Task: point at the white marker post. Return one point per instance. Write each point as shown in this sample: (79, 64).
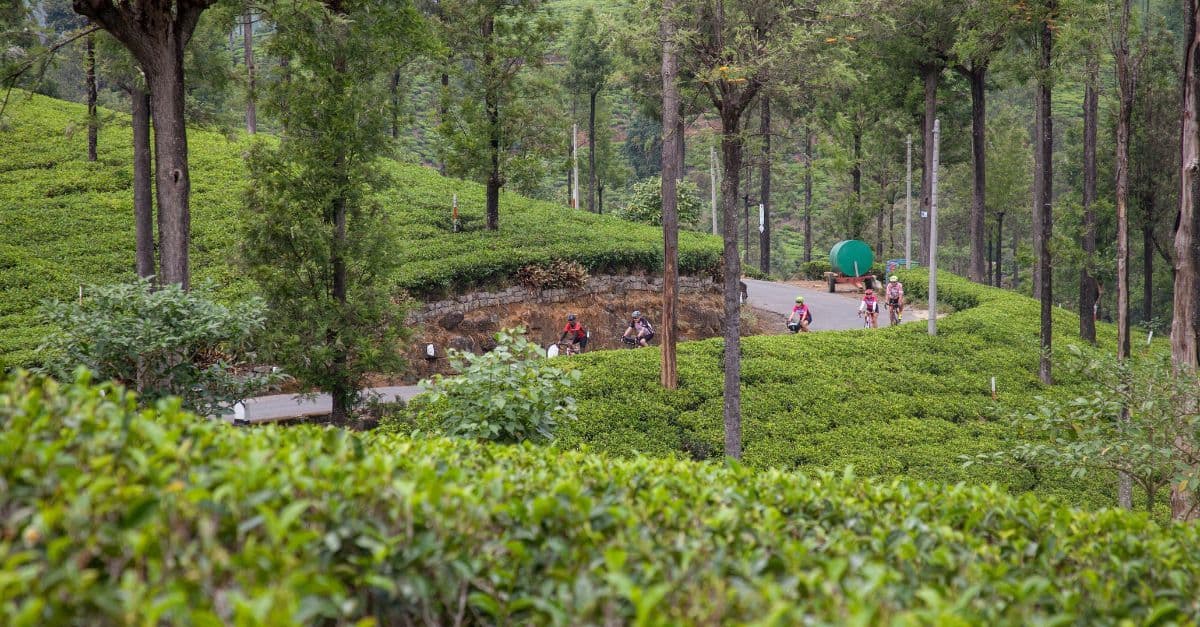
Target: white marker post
(933, 194)
(762, 217)
(908, 205)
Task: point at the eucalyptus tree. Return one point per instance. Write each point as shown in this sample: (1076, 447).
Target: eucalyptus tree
(497, 115)
(316, 238)
(590, 65)
(156, 34)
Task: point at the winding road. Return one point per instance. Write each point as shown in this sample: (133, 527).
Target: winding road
(831, 312)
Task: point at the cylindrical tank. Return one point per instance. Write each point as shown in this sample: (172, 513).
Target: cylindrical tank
(851, 257)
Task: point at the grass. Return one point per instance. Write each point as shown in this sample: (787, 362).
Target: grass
(68, 222)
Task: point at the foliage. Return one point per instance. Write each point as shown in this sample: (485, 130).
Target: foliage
(509, 394)
(558, 274)
(589, 59)
(197, 522)
(891, 402)
(814, 270)
(645, 203)
(317, 238)
(161, 342)
(68, 222)
(1155, 445)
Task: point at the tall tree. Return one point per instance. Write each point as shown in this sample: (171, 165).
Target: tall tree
(1088, 286)
(317, 239)
(156, 33)
(248, 55)
(93, 120)
(589, 66)
(1045, 225)
(764, 176)
(494, 43)
(983, 31)
(670, 213)
(1185, 321)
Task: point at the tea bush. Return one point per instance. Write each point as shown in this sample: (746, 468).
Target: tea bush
(68, 222)
(115, 516)
(892, 401)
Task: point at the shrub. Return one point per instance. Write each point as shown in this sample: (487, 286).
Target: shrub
(161, 342)
(645, 203)
(114, 516)
(815, 270)
(509, 394)
(558, 274)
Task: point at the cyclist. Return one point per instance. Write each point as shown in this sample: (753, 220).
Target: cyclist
(870, 308)
(800, 318)
(640, 329)
(895, 297)
(578, 334)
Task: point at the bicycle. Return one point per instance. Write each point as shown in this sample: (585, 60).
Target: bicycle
(894, 314)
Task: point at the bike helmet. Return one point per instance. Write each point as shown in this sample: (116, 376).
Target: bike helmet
(636, 314)
(799, 299)
(570, 317)
(893, 278)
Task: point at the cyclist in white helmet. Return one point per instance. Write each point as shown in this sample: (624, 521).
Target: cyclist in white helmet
(640, 329)
(895, 296)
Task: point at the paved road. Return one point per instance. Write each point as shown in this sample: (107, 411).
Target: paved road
(287, 406)
(830, 312)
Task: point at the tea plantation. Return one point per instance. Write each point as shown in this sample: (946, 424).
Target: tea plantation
(68, 222)
(115, 516)
(891, 402)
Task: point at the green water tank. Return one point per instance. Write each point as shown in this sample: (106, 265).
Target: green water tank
(846, 253)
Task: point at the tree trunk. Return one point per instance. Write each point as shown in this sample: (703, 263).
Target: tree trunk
(746, 215)
(172, 182)
(394, 92)
(1045, 287)
(931, 75)
(977, 75)
(681, 152)
(879, 233)
(1035, 271)
(443, 113)
(342, 393)
(1184, 331)
(999, 268)
(1148, 271)
(248, 53)
(1125, 86)
(808, 194)
(731, 162)
(143, 205)
(492, 106)
(856, 185)
(91, 96)
(1087, 283)
(592, 151)
(764, 237)
(670, 213)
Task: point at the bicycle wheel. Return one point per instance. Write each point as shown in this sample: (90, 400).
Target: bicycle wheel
(892, 314)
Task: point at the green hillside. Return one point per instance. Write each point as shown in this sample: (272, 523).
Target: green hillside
(892, 402)
(68, 222)
(115, 516)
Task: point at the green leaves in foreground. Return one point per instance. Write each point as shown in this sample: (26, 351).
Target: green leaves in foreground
(114, 516)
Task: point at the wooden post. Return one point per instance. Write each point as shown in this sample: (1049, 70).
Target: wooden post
(933, 234)
(670, 216)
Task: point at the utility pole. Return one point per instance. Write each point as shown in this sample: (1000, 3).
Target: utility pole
(908, 204)
(937, 131)
(575, 165)
(712, 169)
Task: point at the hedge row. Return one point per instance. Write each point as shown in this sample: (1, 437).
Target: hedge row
(891, 402)
(69, 222)
(112, 516)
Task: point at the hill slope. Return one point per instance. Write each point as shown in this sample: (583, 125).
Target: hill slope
(68, 222)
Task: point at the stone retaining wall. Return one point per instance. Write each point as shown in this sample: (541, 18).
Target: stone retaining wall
(601, 284)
